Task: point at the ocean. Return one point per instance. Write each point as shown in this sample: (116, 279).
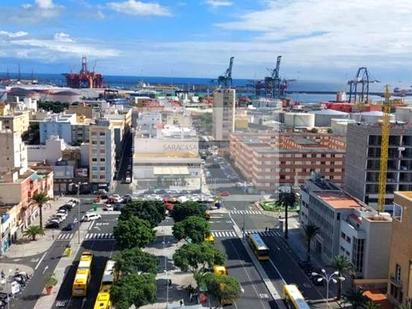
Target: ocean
(185, 82)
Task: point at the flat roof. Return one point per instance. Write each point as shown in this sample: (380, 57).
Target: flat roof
(338, 200)
(405, 194)
(171, 170)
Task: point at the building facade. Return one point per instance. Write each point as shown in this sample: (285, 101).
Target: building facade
(362, 170)
(269, 160)
(102, 159)
(57, 125)
(13, 152)
(224, 107)
(400, 265)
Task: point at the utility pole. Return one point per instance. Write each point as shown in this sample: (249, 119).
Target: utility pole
(78, 212)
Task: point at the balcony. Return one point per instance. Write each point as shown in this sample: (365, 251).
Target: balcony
(395, 281)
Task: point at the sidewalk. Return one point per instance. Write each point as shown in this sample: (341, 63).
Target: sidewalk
(25, 248)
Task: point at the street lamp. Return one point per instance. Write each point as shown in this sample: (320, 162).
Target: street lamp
(334, 277)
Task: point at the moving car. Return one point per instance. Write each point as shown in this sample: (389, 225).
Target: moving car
(91, 217)
(69, 227)
(52, 224)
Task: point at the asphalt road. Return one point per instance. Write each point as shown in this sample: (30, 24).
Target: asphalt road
(103, 249)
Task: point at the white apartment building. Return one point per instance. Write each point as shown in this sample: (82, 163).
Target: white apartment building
(57, 125)
(224, 106)
(101, 153)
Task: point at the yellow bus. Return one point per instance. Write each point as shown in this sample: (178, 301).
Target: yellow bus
(83, 274)
(294, 298)
(259, 247)
(103, 300)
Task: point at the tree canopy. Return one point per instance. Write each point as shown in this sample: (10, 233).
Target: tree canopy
(135, 260)
(152, 211)
(133, 232)
(40, 199)
(187, 209)
(192, 227)
(196, 257)
(225, 288)
(33, 231)
(134, 289)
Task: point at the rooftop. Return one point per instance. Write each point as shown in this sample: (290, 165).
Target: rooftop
(405, 194)
(339, 200)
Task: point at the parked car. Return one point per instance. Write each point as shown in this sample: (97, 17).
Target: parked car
(69, 227)
(66, 207)
(91, 217)
(63, 216)
(56, 218)
(108, 207)
(52, 224)
(225, 193)
(127, 198)
(63, 211)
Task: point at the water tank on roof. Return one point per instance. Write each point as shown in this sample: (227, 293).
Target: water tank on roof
(323, 118)
(299, 120)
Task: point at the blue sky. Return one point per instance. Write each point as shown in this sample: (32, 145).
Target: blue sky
(318, 39)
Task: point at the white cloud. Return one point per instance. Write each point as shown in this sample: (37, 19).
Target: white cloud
(218, 3)
(13, 35)
(139, 8)
(60, 46)
(45, 4)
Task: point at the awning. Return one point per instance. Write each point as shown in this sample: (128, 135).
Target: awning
(171, 170)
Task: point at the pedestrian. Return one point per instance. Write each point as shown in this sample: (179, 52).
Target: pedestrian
(181, 303)
(3, 275)
(266, 229)
(170, 282)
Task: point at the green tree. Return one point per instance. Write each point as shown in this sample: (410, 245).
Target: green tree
(133, 232)
(193, 227)
(135, 260)
(187, 209)
(33, 231)
(134, 289)
(197, 257)
(225, 288)
(344, 268)
(287, 199)
(152, 211)
(355, 298)
(40, 199)
(310, 232)
(403, 306)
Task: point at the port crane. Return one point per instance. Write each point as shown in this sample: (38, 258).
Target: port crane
(225, 80)
(383, 168)
(361, 80)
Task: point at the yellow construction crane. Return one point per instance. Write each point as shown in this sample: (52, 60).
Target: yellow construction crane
(386, 127)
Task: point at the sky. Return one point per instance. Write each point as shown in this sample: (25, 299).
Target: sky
(318, 39)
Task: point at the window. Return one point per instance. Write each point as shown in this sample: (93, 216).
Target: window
(102, 159)
(102, 168)
(94, 168)
(342, 234)
(102, 177)
(102, 142)
(94, 159)
(102, 134)
(398, 272)
(94, 142)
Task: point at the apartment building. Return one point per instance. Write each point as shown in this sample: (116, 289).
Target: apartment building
(13, 152)
(224, 106)
(350, 228)
(400, 265)
(15, 121)
(272, 159)
(101, 153)
(57, 125)
(362, 167)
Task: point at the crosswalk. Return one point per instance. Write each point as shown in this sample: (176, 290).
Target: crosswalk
(99, 236)
(246, 212)
(65, 236)
(232, 234)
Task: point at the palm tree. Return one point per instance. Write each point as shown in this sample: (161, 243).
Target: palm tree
(41, 199)
(310, 232)
(371, 305)
(33, 231)
(403, 306)
(287, 199)
(344, 268)
(355, 298)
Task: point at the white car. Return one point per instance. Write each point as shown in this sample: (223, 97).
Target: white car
(108, 207)
(91, 217)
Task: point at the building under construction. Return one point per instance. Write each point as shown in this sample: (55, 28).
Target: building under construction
(85, 78)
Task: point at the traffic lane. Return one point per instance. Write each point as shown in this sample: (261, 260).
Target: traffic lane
(220, 222)
(289, 268)
(45, 268)
(255, 222)
(240, 266)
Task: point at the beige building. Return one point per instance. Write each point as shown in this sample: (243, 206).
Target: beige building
(272, 159)
(400, 264)
(101, 153)
(13, 152)
(224, 107)
(17, 122)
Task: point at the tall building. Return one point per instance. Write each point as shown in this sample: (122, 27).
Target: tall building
(13, 152)
(363, 161)
(348, 227)
(224, 105)
(57, 125)
(101, 153)
(400, 265)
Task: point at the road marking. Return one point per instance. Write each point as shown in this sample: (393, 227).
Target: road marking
(99, 236)
(41, 259)
(65, 236)
(96, 227)
(91, 224)
(45, 268)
